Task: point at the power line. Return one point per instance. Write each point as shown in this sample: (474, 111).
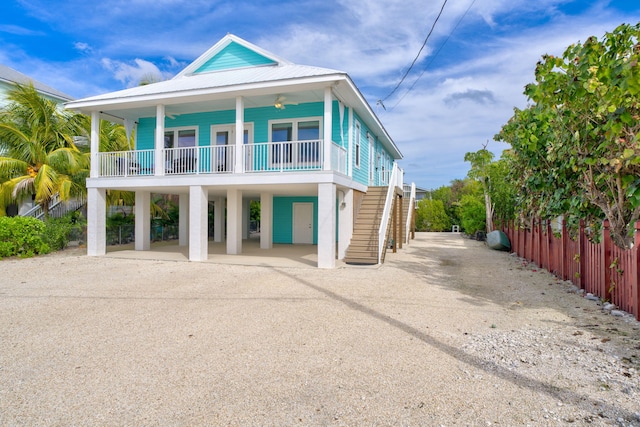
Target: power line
(380, 101)
(434, 56)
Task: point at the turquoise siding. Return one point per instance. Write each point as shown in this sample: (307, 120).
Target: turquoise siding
(234, 56)
(260, 118)
(283, 218)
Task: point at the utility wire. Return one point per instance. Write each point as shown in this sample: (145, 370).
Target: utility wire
(380, 101)
(434, 56)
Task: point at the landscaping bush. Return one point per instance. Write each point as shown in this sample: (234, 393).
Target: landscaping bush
(58, 231)
(22, 236)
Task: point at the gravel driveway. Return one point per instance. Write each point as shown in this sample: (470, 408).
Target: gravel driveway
(446, 332)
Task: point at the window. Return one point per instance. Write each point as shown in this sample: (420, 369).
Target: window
(295, 143)
(180, 155)
(357, 144)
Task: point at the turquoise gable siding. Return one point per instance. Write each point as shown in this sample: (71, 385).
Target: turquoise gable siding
(283, 218)
(233, 56)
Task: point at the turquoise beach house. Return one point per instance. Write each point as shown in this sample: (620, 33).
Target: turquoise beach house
(241, 124)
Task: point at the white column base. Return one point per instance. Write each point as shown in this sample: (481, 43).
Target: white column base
(96, 221)
(266, 221)
(198, 241)
(234, 222)
(326, 225)
(143, 221)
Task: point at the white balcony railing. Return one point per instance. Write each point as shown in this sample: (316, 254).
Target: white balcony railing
(283, 156)
(260, 157)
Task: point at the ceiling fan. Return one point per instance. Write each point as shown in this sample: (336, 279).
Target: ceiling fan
(280, 103)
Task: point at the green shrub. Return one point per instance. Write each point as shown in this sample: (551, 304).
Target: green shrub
(58, 231)
(22, 236)
(472, 214)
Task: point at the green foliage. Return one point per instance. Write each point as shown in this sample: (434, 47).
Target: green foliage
(431, 216)
(575, 149)
(472, 214)
(59, 231)
(22, 236)
(39, 156)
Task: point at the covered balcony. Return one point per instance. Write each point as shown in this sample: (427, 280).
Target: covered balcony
(289, 156)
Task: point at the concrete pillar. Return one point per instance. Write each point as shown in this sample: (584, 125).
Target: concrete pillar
(143, 221)
(345, 220)
(326, 225)
(183, 220)
(198, 241)
(266, 220)
(96, 221)
(246, 214)
(218, 219)
(234, 222)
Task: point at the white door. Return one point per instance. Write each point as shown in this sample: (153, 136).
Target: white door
(221, 138)
(303, 223)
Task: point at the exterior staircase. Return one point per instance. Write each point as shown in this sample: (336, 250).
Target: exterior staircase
(57, 208)
(363, 248)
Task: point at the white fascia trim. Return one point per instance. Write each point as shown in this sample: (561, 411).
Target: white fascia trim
(189, 95)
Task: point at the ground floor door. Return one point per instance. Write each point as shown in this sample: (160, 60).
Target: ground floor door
(303, 223)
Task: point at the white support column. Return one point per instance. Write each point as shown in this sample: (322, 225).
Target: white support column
(218, 219)
(327, 128)
(183, 220)
(159, 141)
(94, 172)
(234, 222)
(350, 150)
(238, 167)
(96, 221)
(198, 241)
(143, 221)
(246, 217)
(266, 220)
(345, 220)
(326, 225)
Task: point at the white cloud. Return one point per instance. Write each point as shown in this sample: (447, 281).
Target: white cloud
(131, 74)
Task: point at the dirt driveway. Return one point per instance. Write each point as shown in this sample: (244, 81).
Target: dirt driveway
(446, 332)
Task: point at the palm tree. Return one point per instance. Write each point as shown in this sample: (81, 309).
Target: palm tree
(37, 153)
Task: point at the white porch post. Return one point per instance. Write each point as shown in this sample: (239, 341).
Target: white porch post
(239, 135)
(96, 221)
(95, 144)
(159, 141)
(326, 225)
(143, 221)
(345, 221)
(245, 218)
(198, 244)
(234, 222)
(328, 126)
(350, 150)
(183, 220)
(266, 220)
(218, 219)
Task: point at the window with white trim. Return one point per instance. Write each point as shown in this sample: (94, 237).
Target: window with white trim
(295, 142)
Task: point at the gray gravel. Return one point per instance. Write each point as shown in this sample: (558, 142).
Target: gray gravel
(446, 332)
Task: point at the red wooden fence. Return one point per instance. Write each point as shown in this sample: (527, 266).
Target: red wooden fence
(602, 269)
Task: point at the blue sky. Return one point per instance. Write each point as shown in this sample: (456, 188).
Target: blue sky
(462, 89)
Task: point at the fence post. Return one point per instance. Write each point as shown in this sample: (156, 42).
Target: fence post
(563, 249)
(582, 268)
(606, 260)
(635, 282)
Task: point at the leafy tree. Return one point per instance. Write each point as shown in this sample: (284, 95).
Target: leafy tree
(472, 214)
(431, 216)
(39, 156)
(480, 163)
(576, 150)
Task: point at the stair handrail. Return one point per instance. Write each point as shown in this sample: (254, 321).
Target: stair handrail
(384, 221)
(410, 212)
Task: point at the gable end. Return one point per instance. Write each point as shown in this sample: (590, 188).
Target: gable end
(233, 56)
